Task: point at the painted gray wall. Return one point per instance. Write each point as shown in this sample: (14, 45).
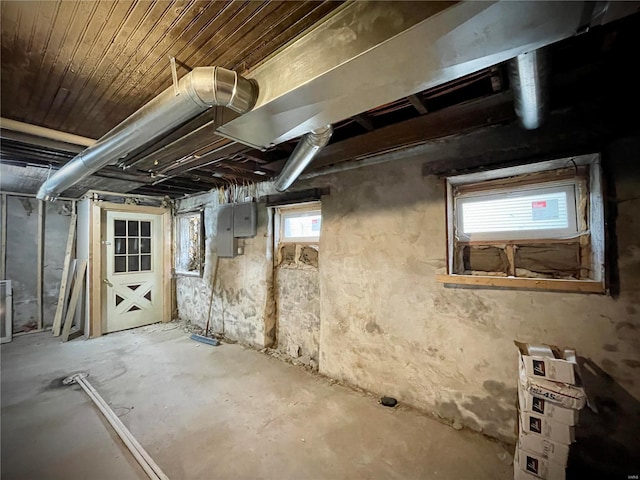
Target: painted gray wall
(22, 245)
(58, 218)
(22, 255)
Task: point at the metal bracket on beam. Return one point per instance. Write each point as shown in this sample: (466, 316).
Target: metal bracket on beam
(418, 104)
(174, 75)
(365, 120)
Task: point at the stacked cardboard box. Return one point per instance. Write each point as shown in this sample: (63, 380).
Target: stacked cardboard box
(549, 400)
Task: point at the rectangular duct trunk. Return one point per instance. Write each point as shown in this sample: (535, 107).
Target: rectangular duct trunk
(368, 54)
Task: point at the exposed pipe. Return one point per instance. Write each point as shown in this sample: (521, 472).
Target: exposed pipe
(529, 76)
(307, 148)
(200, 89)
(44, 132)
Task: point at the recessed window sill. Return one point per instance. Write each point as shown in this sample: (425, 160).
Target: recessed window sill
(299, 242)
(187, 274)
(581, 286)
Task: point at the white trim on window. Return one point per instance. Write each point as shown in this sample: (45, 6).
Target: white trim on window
(299, 223)
(593, 229)
(186, 250)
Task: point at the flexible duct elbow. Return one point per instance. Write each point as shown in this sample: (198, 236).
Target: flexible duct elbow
(200, 89)
(306, 150)
(216, 86)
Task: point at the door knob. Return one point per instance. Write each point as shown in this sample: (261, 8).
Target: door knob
(106, 280)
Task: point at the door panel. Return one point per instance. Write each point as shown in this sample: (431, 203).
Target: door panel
(132, 290)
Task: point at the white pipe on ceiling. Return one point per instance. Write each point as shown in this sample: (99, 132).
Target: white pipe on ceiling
(44, 132)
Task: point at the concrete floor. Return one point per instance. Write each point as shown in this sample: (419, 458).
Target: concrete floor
(207, 412)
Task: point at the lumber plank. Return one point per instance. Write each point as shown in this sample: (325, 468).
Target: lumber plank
(510, 251)
(167, 278)
(94, 322)
(75, 296)
(62, 296)
(42, 213)
(3, 241)
(72, 268)
(583, 286)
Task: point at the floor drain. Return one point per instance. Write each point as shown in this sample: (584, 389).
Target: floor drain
(388, 401)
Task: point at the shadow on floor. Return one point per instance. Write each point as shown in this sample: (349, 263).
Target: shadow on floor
(607, 445)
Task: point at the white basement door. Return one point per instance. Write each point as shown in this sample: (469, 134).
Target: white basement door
(132, 289)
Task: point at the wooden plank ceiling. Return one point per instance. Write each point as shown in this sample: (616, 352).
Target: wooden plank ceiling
(83, 67)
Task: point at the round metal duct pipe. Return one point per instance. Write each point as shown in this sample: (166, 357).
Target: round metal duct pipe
(200, 89)
(306, 149)
(529, 76)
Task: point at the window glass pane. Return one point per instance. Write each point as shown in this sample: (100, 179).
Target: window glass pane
(145, 263)
(133, 245)
(133, 263)
(120, 228)
(120, 245)
(145, 229)
(133, 228)
(302, 225)
(145, 245)
(120, 264)
(189, 237)
(501, 213)
(525, 213)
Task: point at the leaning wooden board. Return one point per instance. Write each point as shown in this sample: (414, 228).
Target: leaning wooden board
(62, 297)
(75, 296)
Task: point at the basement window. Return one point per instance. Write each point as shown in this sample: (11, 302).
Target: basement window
(534, 211)
(300, 224)
(298, 235)
(538, 226)
(189, 228)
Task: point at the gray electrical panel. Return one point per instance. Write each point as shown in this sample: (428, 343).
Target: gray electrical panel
(226, 243)
(245, 222)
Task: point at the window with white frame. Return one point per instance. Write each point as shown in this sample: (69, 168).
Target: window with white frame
(189, 234)
(540, 210)
(298, 235)
(537, 226)
(300, 224)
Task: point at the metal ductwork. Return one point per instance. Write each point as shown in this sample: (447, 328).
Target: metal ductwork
(306, 149)
(200, 89)
(529, 76)
(369, 54)
(364, 55)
